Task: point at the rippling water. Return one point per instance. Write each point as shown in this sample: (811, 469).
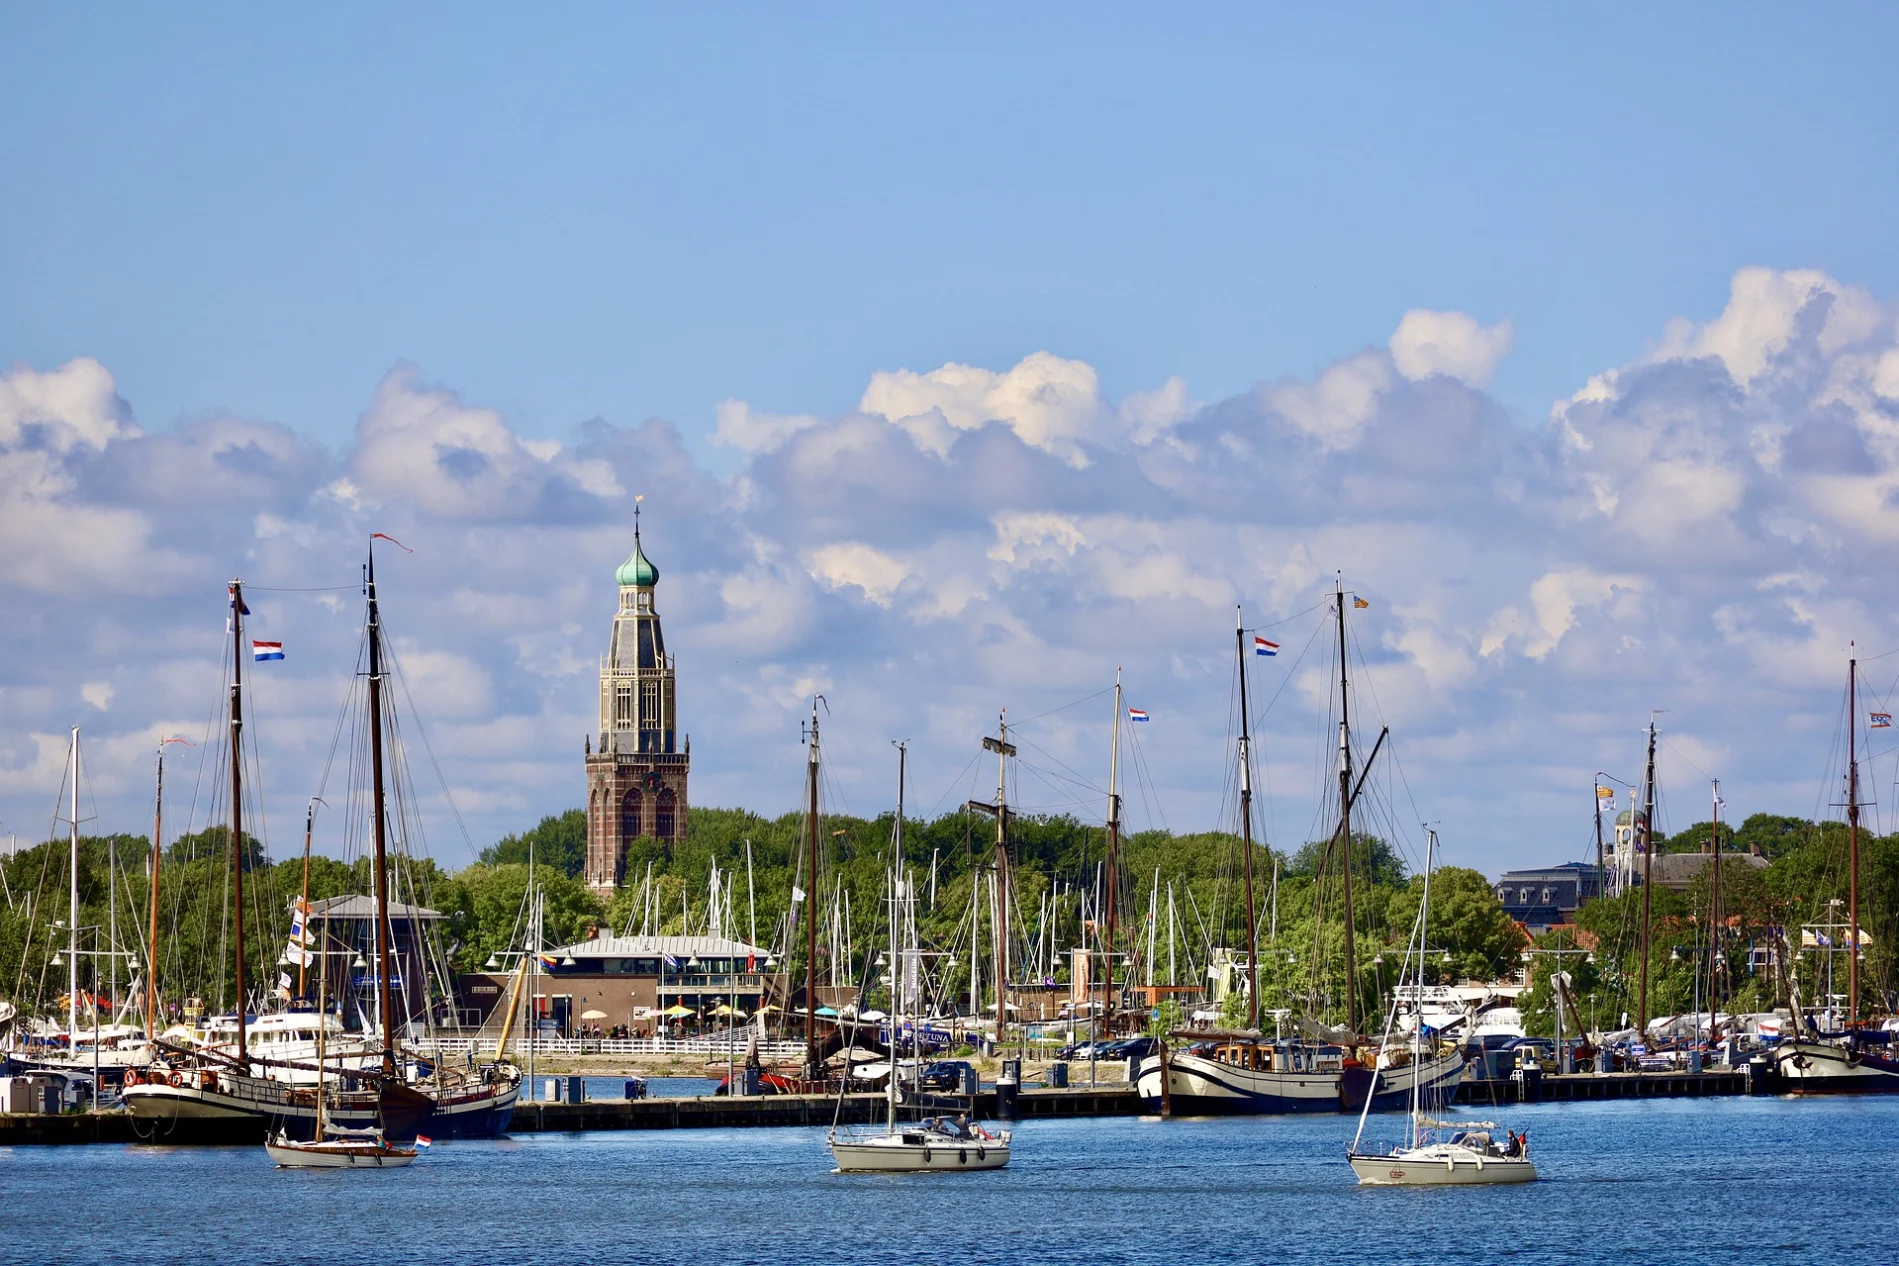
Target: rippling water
(1731, 1181)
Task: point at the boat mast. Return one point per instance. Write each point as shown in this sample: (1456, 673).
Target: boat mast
(897, 893)
(1345, 819)
(1114, 850)
(810, 911)
(1424, 942)
(303, 907)
(1647, 828)
(1714, 907)
(1246, 826)
(379, 818)
(1596, 809)
(237, 809)
(151, 946)
(72, 918)
(323, 1004)
(1852, 842)
(1003, 750)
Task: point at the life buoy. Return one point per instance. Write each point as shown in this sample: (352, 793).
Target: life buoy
(962, 1156)
(176, 1079)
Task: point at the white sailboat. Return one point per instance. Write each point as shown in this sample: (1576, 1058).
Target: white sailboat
(934, 1143)
(1435, 1153)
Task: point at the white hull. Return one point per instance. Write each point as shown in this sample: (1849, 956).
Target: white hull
(337, 1156)
(1810, 1068)
(1200, 1086)
(1441, 1166)
(894, 1154)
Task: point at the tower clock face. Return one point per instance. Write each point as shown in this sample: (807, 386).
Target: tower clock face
(652, 780)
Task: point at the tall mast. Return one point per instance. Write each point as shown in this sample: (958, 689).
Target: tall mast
(151, 944)
(237, 809)
(1596, 808)
(1852, 841)
(1003, 750)
(1246, 826)
(896, 961)
(379, 817)
(303, 907)
(810, 901)
(1714, 907)
(1345, 820)
(1114, 847)
(72, 918)
(1647, 829)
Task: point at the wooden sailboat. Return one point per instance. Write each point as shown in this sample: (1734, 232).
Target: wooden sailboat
(331, 1148)
(1244, 1073)
(1842, 1062)
(1435, 1153)
(933, 1143)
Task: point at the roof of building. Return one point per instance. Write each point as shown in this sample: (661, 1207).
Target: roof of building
(1566, 870)
(1680, 868)
(359, 907)
(654, 946)
(637, 571)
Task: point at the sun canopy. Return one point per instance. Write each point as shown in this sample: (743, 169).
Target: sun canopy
(677, 1012)
(593, 1015)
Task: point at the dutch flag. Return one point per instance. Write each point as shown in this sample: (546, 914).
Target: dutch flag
(267, 650)
(1263, 647)
(1137, 714)
(423, 1140)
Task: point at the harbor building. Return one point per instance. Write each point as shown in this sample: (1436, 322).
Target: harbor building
(634, 984)
(1545, 897)
(636, 774)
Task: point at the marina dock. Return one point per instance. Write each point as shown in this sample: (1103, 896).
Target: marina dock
(721, 1112)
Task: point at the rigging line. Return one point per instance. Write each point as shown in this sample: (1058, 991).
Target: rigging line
(250, 588)
(954, 783)
(1065, 707)
(1291, 672)
(1677, 751)
(1080, 778)
(1289, 619)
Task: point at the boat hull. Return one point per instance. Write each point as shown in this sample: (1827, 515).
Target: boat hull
(1434, 1079)
(1441, 1167)
(238, 1109)
(1198, 1086)
(305, 1156)
(874, 1156)
(1822, 1068)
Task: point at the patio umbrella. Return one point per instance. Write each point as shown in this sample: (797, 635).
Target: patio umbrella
(726, 1008)
(678, 1012)
(825, 1011)
(593, 1015)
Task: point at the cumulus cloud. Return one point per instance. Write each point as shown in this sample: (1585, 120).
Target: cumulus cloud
(1448, 343)
(1704, 529)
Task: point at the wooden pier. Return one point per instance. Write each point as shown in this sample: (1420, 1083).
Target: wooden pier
(720, 1112)
(1588, 1087)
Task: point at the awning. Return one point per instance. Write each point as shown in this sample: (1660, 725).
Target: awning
(678, 1012)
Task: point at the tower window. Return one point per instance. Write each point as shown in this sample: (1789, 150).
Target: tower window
(630, 815)
(623, 706)
(663, 815)
(649, 705)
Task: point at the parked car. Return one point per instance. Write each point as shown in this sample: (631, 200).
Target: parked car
(945, 1074)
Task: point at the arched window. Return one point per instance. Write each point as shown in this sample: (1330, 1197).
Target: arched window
(631, 817)
(663, 816)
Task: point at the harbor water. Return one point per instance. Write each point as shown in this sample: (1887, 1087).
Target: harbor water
(1652, 1181)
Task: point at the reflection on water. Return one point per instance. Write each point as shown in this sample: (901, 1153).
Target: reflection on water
(1712, 1181)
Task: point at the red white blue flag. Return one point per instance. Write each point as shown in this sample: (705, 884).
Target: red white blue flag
(1263, 647)
(267, 650)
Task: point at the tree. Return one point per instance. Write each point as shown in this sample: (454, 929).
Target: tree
(1466, 921)
(558, 840)
(1374, 860)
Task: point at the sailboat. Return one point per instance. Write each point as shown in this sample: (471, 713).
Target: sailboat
(1241, 1072)
(1435, 1153)
(1840, 1063)
(332, 1148)
(933, 1143)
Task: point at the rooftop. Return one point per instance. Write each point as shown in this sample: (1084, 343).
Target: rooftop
(359, 907)
(681, 947)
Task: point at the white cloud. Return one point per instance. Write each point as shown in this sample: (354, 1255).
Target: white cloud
(1705, 530)
(1449, 343)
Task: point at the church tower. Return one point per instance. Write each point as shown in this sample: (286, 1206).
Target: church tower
(636, 777)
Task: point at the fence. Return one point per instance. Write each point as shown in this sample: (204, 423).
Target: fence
(545, 1044)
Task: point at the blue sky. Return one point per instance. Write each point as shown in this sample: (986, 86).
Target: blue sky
(619, 212)
(962, 359)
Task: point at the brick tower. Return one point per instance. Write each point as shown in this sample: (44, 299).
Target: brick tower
(636, 776)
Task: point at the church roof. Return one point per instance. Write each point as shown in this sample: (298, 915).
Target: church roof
(637, 571)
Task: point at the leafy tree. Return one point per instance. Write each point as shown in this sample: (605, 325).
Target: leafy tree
(558, 841)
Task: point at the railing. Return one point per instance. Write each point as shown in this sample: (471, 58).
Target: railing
(721, 1045)
(716, 983)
